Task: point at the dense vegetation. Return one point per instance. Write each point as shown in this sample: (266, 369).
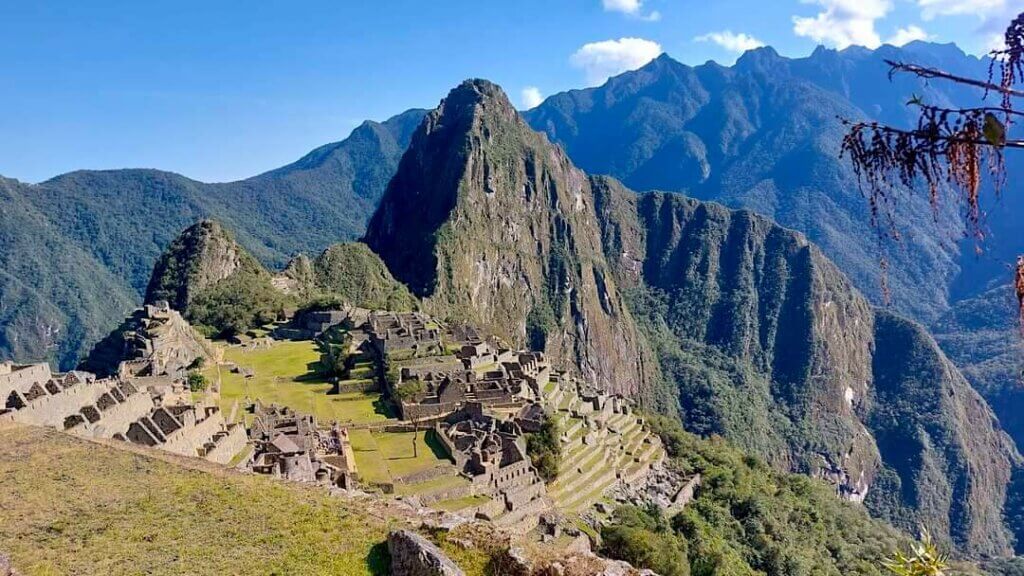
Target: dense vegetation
(76, 251)
(352, 273)
(748, 519)
(236, 304)
(545, 449)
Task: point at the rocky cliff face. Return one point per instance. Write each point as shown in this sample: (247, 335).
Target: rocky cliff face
(486, 220)
(771, 346)
(946, 461)
(759, 335)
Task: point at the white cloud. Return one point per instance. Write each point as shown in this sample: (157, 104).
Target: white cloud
(632, 8)
(732, 42)
(842, 23)
(981, 8)
(530, 97)
(907, 35)
(600, 60)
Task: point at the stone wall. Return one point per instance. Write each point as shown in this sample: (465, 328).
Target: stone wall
(15, 377)
(368, 385)
(117, 418)
(189, 439)
(414, 555)
(228, 445)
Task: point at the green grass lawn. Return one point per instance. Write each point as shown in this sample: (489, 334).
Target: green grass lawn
(432, 485)
(69, 506)
(288, 373)
(369, 462)
(402, 459)
(383, 456)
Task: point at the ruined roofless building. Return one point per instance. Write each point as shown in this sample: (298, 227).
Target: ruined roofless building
(289, 445)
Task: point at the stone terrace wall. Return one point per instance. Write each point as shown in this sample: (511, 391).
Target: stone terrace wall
(227, 446)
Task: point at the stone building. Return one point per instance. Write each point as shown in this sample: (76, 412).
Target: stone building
(492, 454)
(290, 445)
(395, 332)
(120, 407)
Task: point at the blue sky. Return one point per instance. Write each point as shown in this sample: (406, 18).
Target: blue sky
(225, 90)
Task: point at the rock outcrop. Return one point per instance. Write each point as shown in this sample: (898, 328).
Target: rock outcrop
(203, 255)
(158, 338)
(414, 555)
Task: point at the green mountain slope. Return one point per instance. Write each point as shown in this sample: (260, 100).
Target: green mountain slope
(55, 297)
(119, 221)
(743, 326)
(486, 220)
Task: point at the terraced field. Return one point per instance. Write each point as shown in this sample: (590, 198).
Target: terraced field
(593, 460)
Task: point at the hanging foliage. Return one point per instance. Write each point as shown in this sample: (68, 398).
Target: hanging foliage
(951, 150)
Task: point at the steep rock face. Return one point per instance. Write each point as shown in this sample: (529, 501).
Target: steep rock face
(771, 346)
(203, 255)
(947, 463)
(485, 219)
(767, 341)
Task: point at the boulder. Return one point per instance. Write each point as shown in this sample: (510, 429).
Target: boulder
(6, 568)
(414, 555)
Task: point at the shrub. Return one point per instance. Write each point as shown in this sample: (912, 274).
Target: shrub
(545, 449)
(197, 382)
(643, 538)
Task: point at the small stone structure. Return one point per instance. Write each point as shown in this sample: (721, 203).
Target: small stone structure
(289, 445)
(492, 454)
(477, 373)
(414, 555)
(396, 332)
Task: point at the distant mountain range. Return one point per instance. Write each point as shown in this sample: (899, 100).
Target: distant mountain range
(76, 252)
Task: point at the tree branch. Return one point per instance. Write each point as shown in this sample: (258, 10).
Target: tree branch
(932, 136)
(924, 72)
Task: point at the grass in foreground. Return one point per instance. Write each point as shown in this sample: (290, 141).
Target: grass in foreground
(74, 507)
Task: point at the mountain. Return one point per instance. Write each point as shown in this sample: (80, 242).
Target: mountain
(746, 328)
(486, 221)
(764, 135)
(215, 283)
(349, 271)
(86, 241)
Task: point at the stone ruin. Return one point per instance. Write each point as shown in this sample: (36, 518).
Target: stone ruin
(154, 341)
(290, 445)
(398, 332)
(492, 454)
(311, 324)
(152, 410)
(476, 373)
